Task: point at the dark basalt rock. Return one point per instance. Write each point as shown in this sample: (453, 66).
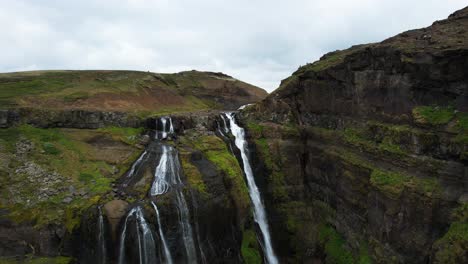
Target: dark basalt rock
(323, 175)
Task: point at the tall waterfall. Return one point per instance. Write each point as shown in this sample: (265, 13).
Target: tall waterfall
(259, 210)
(102, 250)
(167, 253)
(146, 245)
(167, 177)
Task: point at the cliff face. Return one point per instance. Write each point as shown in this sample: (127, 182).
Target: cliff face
(365, 151)
(54, 180)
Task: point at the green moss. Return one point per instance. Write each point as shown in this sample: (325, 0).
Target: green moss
(63, 151)
(388, 181)
(334, 246)
(215, 150)
(329, 60)
(255, 128)
(452, 246)
(49, 148)
(38, 260)
(462, 120)
(393, 183)
(193, 175)
(125, 134)
(272, 160)
(250, 250)
(388, 146)
(364, 257)
(434, 115)
(355, 136)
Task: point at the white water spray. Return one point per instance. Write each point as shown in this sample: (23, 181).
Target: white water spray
(167, 253)
(102, 252)
(259, 210)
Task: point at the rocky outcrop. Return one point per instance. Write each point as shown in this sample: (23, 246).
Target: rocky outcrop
(67, 118)
(365, 151)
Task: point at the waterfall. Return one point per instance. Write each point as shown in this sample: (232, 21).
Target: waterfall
(146, 245)
(102, 252)
(259, 210)
(167, 172)
(187, 232)
(167, 253)
(136, 164)
(167, 128)
(168, 176)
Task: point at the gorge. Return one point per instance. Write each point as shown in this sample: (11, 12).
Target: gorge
(359, 157)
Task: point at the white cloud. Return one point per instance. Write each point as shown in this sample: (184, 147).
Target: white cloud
(258, 41)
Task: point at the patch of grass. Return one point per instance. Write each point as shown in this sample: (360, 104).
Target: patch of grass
(215, 150)
(364, 257)
(462, 120)
(193, 175)
(191, 91)
(255, 128)
(250, 250)
(272, 160)
(329, 60)
(125, 134)
(434, 115)
(394, 183)
(75, 96)
(50, 148)
(37, 260)
(451, 248)
(334, 246)
(66, 153)
(388, 146)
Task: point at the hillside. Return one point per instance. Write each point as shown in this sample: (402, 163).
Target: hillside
(125, 91)
(366, 151)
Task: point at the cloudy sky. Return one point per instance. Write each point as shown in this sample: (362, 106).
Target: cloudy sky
(258, 41)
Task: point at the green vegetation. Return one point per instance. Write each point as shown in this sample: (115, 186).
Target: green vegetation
(124, 134)
(334, 246)
(215, 150)
(272, 160)
(255, 128)
(394, 183)
(451, 248)
(54, 161)
(329, 60)
(434, 115)
(336, 250)
(250, 249)
(193, 175)
(462, 120)
(49, 148)
(140, 93)
(38, 260)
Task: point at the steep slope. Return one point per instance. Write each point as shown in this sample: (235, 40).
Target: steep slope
(366, 151)
(143, 93)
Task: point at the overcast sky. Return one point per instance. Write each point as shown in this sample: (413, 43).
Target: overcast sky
(257, 41)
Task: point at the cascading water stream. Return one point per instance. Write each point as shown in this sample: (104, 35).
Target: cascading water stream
(136, 164)
(167, 177)
(165, 130)
(146, 245)
(167, 253)
(102, 251)
(259, 210)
